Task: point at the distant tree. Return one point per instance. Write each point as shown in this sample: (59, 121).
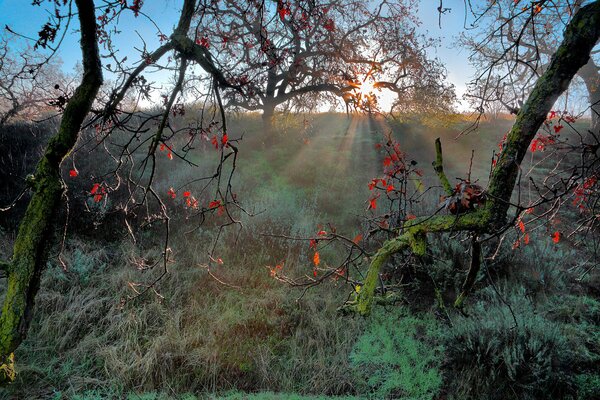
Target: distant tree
(27, 82)
(279, 51)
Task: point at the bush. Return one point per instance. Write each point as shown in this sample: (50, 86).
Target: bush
(398, 357)
(494, 358)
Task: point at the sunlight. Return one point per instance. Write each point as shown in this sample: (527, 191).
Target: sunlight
(367, 87)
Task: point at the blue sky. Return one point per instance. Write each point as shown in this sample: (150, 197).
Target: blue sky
(22, 17)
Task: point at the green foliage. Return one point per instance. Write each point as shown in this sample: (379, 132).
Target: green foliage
(498, 358)
(588, 386)
(80, 265)
(399, 356)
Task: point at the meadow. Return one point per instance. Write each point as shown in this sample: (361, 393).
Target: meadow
(530, 330)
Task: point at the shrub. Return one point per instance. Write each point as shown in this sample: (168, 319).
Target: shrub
(494, 358)
(398, 357)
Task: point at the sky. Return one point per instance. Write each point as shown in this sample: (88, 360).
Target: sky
(25, 18)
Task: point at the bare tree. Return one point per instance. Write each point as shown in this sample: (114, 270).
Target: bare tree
(28, 83)
(345, 49)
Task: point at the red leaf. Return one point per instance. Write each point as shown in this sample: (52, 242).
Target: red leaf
(172, 193)
(387, 161)
(372, 204)
(556, 237)
(312, 244)
(357, 239)
(170, 155)
(186, 194)
(389, 188)
(322, 233)
(329, 25)
(95, 188)
(557, 128)
(522, 226)
(373, 183)
(73, 173)
(215, 142)
(224, 139)
(203, 41)
(526, 238)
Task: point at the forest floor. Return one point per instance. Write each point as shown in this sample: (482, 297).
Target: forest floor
(532, 323)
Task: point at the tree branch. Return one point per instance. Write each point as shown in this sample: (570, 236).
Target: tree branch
(438, 167)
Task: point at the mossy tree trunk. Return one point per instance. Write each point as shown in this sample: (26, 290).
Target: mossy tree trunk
(580, 37)
(30, 248)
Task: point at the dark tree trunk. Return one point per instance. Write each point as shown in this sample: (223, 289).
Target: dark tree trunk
(590, 73)
(267, 118)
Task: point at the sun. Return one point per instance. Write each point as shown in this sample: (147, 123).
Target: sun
(367, 87)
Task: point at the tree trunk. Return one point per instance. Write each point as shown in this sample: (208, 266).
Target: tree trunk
(580, 37)
(30, 249)
(267, 118)
(590, 73)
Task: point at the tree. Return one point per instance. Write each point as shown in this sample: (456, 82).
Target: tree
(580, 37)
(29, 253)
(27, 82)
(482, 214)
(519, 46)
(279, 51)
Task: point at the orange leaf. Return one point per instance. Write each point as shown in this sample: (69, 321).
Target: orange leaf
(357, 239)
(316, 259)
(522, 226)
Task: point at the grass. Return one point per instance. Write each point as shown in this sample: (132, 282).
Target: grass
(252, 337)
